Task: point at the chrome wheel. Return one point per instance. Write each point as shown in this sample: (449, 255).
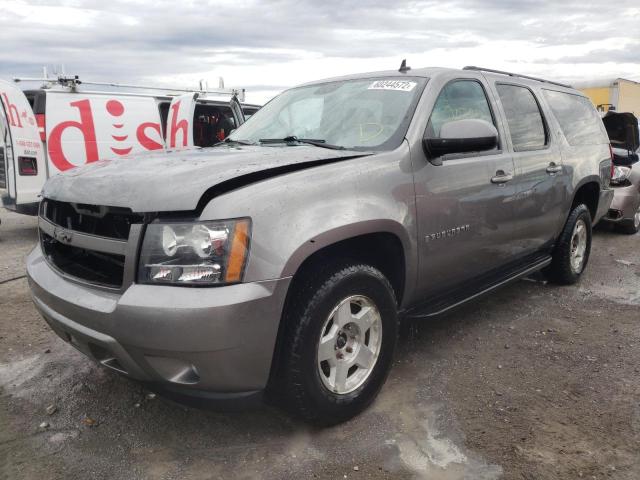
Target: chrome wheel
(578, 246)
(636, 219)
(349, 344)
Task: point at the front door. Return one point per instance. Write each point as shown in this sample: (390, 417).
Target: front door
(464, 201)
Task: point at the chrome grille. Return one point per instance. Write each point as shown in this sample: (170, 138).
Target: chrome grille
(86, 242)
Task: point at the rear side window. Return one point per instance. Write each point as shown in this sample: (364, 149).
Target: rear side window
(459, 100)
(577, 117)
(523, 117)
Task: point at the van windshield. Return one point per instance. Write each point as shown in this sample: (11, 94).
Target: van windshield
(367, 114)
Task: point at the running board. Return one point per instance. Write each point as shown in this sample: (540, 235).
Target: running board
(438, 308)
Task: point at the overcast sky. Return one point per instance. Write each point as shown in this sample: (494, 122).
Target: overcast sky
(268, 46)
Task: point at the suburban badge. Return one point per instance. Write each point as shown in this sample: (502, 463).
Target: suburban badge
(449, 232)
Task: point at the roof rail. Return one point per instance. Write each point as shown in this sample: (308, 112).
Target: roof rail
(480, 69)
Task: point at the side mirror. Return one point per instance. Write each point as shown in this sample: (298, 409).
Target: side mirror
(460, 136)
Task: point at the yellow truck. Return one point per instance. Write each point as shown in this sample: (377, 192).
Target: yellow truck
(620, 95)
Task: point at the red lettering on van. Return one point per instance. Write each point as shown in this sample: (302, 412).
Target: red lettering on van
(144, 140)
(86, 127)
(11, 110)
(182, 125)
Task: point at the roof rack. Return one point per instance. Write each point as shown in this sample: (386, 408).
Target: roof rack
(74, 81)
(480, 69)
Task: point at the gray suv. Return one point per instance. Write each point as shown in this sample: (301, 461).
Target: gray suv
(280, 262)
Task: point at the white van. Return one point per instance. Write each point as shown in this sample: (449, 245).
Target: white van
(68, 123)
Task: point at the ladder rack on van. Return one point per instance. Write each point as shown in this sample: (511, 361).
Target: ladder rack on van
(74, 81)
(490, 70)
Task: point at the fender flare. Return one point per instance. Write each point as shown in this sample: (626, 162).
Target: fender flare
(347, 232)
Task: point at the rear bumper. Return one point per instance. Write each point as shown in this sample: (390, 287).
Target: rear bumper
(624, 204)
(212, 344)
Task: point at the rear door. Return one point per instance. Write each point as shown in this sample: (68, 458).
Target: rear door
(22, 150)
(180, 121)
(83, 127)
(541, 193)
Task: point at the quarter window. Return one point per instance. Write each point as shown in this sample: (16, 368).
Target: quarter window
(524, 119)
(577, 117)
(459, 100)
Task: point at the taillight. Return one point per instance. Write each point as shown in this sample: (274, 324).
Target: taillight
(27, 166)
(41, 126)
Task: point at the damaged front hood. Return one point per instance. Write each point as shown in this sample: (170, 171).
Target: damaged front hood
(176, 180)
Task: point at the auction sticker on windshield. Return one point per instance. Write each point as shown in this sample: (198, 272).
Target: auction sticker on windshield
(401, 85)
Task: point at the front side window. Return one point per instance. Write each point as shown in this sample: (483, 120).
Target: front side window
(459, 100)
(523, 117)
(371, 114)
(577, 117)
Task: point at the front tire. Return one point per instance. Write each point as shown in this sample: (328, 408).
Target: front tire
(571, 253)
(341, 333)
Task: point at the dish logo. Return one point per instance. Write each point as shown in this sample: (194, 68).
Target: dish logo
(91, 129)
(14, 116)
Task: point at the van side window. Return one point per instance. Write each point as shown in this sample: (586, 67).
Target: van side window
(577, 117)
(524, 118)
(459, 100)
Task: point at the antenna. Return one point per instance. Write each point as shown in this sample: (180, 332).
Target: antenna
(403, 66)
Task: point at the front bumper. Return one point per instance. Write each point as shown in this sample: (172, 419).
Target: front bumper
(214, 343)
(624, 204)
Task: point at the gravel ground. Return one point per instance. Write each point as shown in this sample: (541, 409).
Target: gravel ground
(532, 382)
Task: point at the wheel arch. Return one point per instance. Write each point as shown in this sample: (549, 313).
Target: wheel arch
(587, 192)
(384, 244)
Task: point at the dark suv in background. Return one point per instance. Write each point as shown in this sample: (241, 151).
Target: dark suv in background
(281, 260)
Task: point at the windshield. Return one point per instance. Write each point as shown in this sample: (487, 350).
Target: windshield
(369, 114)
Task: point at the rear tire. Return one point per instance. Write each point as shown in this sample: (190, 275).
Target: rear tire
(571, 253)
(340, 338)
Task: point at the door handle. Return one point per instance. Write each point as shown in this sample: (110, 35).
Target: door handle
(553, 168)
(501, 177)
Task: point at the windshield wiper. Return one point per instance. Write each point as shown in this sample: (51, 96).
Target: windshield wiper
(309, 141)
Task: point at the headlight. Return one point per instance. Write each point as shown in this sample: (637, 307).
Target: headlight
(620, 175)
(203, 253)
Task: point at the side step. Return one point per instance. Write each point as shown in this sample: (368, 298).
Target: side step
(443, 303)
